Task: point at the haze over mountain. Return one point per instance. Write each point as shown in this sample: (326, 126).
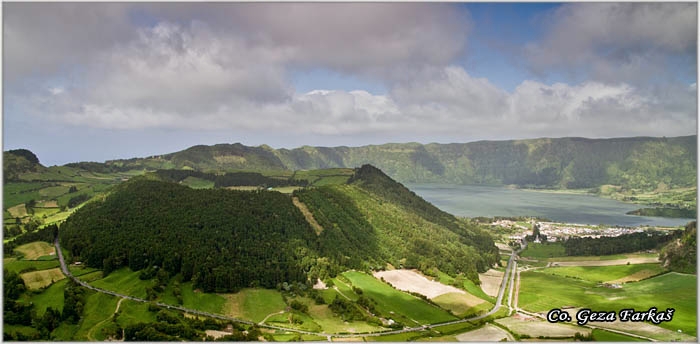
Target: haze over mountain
(638, 162)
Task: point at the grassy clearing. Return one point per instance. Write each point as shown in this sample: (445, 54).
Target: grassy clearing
(196, 299)
(606, 273)
(27, 331)
(602, 258)
(132, 312)
(123, 281)
(40, 279)
(389, 300)
(468, 285)
(253, 304)
(607, 336)
(80, 270)
(34, 250)
(98, 307)
(330, 323)
(50, 297)
(542, 251)
(540, 292)
(198, 183)
(19, 266)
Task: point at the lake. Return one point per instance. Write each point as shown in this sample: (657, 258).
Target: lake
(489, 201)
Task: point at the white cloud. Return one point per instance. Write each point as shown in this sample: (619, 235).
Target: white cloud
(614, 42)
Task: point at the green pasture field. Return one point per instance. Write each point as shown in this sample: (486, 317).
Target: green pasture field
(255, 304)
(81, 270)
(123, 281)
(604, 273)
(34, 250)
(98, 307)
(607, 336)
(540, 292)
(132, 312)
(18, 266)
(608, 257)
(469, 286)
(199, 300)
(542, 251)
(344, 289)
(27, 331)
(282, 320)
(389, 299)
(330, 323)
(50, 297)
(198, 183)
(326, 176)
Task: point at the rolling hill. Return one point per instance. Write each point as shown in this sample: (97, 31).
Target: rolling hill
(224, 240)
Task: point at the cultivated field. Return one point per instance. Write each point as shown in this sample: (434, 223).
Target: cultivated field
(491, 281)
(636, 260)
(541, 292)
(488, 333)
(610, 274)
(409, 280)
(461, 304)
(641, 328)
(533, 327)
(35, 250)
(18, 211)
(39, 279)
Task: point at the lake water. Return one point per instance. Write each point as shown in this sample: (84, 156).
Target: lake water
(489, 201)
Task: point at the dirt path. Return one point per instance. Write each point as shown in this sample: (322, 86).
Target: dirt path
(341, 293)
(308, 215)
(89, 334)
(269, 315)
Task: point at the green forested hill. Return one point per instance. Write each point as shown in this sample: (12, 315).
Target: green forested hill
(19, 161)
(224, 240)
(637, 162)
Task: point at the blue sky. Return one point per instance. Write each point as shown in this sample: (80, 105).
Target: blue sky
(97, 81)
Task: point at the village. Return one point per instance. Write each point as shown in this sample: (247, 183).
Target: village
(561, 231)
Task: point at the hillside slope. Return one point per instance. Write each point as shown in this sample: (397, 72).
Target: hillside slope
(636, 162)
(224, 240)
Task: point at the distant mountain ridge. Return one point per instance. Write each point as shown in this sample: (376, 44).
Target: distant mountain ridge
(635, 162)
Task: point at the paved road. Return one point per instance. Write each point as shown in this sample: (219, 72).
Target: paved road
(509, 270)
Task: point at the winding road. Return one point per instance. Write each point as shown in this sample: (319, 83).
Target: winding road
(510, 268)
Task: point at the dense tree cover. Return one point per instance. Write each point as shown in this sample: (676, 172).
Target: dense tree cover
(680, 254)
(665, 212)
(77, 200)
(650, 239)
(374, 180)
(437, 241)
(14, 312)
(636, 162)
(224, 240)
(221, 240)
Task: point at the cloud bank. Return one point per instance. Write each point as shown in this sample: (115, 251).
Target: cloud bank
(228, 66)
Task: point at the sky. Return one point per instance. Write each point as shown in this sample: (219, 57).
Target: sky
(101, 81)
